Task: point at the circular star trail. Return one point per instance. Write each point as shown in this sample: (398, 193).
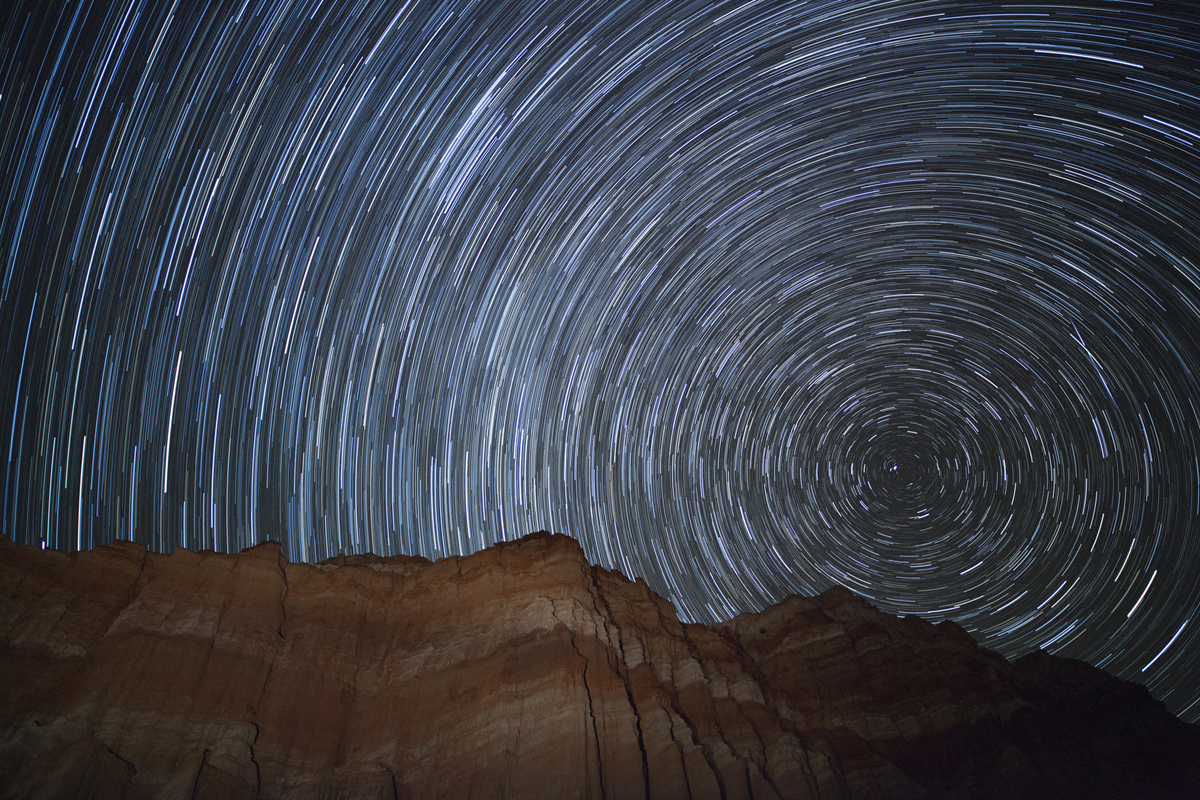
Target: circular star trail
(751, 298)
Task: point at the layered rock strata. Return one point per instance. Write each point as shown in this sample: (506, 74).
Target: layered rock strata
(522, 671)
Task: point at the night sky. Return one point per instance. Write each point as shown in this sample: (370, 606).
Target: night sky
(751, 298)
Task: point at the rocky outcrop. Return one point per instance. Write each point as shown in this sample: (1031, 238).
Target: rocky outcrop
(524, 672)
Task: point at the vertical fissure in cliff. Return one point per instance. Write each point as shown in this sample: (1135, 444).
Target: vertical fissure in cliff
(746, 666)
(705, 748)
(677, 712)
(587, 690)
(254, 760)
(622, 670)
(283, 595)
(199, 773)
(282, 563)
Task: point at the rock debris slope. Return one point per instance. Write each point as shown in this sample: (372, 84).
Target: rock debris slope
(524, 672)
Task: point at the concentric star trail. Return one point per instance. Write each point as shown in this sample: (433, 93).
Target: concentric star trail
(751, 298)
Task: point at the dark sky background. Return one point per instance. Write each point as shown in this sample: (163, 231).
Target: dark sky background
(751, 298)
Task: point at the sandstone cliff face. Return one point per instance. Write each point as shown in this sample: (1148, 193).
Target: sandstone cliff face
(524, 672)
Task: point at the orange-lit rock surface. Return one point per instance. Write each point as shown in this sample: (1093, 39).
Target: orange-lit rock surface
(524, 672)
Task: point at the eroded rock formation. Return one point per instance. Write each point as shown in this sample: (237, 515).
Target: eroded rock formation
(524, 672)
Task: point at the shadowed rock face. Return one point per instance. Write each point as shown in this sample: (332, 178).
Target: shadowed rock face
(524, 672)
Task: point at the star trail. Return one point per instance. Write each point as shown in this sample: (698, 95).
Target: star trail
(751, 298)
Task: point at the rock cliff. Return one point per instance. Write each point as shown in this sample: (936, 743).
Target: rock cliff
(522, 671)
